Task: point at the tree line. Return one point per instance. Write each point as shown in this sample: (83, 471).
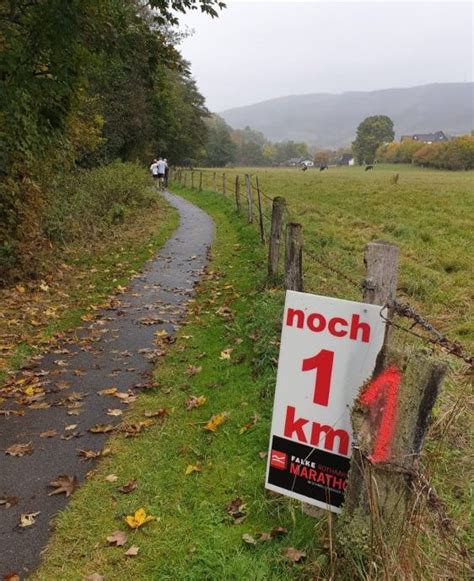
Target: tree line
(245, 147)
(86, 82)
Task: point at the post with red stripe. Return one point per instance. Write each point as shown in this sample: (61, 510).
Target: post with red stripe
(390, 418)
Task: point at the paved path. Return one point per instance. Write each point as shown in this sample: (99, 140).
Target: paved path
(118, 350)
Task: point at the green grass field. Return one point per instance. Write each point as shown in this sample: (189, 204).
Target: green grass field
(196, 538)
(428, 214)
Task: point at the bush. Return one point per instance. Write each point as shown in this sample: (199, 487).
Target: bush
(457, 154)
(91, 202)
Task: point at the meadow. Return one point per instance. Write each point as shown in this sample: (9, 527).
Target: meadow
(428, 214)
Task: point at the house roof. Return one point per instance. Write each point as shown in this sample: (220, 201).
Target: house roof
(437, 136)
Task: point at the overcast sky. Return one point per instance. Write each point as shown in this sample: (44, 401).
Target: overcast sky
(261, 49)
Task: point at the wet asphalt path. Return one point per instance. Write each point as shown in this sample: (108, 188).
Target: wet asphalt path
(116, 349)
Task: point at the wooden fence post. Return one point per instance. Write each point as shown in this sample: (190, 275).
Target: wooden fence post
(278, 209)
(214, 184)
(260, 214)
(248, 188)
(200, 181)
(379, 485)
(294, 257)
(224, 183)
(192, 179)
(185, 178)
(237, 193)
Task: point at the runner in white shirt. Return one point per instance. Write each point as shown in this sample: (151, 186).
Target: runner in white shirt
(154, 169)
(161, 166)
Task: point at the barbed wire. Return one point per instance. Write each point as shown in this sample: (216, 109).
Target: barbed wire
(404, 310)
(449, 345)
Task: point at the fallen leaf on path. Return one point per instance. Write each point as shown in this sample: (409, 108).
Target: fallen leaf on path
(43, 405)
(108, 391)
(111, 478)
(129, 487)
(20, 450)
(215, 422)
(161, 334)
(192, 468)
(8, 501)
(248, 539)
(114, 412)
(63, 484)
(92, 454)
(70, 427)
(102, 429)
(132, 551)
(125, 397)
(195, 402)
(11, 577)
(28, 519)
(49, 434)
(117, 538)
(225, 354)
(250, 424)
(138, 519)
(295, 555)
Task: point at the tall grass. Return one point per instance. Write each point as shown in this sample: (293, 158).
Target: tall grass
(92, 202)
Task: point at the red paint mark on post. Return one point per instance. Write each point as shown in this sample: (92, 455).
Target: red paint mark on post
(383, 390)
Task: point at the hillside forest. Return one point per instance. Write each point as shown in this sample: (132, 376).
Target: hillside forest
(86, 83)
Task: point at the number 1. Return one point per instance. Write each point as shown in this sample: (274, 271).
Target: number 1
(322, 362)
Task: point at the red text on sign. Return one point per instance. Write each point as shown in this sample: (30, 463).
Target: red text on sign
(336, 326)
(322, 362)
(312, 432)
(381, 397)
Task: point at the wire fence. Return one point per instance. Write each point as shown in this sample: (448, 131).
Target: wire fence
(420, 327)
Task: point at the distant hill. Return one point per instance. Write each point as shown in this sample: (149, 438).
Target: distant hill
(330, 120)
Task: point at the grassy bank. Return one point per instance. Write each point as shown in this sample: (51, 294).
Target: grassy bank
(205, 487)
(92, 253)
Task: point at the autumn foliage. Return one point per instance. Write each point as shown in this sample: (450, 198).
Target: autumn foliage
(456, 154)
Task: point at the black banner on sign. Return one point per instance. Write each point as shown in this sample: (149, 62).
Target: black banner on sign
(308, 471)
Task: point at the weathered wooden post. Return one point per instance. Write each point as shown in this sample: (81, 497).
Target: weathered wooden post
(224, 183)
(192, 179)
(260, 214)
(200, 181)
(294, 257)
(214, 184)
(185, 178)
(389, 419)
(248, 188)
(278, 209)
(237, 193)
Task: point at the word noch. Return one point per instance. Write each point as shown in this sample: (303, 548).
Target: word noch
(336, 326)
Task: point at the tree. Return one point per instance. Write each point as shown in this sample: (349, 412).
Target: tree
(83, 83)
(220, 149)
(321, 157)
(371, 134)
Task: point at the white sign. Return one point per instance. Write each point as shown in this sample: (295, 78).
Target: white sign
(328, 350)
